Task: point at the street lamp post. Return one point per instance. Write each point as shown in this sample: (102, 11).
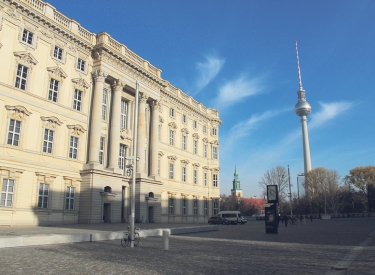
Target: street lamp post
(290, 194)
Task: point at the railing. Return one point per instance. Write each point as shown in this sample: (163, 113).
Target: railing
(65, 21)
(114, 44)
(84, 33)
(36, 4)
(135, 58)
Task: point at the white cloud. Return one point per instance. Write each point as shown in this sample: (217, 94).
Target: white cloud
(208, 70)
(328, 112)
(235, 90)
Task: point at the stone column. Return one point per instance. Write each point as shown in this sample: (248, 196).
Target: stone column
(141, 133)
(154, 139)
(115, 126)
(96, 117)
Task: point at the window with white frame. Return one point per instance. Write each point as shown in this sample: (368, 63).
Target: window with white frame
(81, 64)
(171, 137)
(121, 156)
(58, 53)
(14, 132)
(205, 179)
(53, 90)
(195, 176)
(214, 180)
(27, 37)
(104, 104)
(124, 113)
(77, 100)
(195, 125)
(214, 152)
(216, 208)
(195, 207)
(184, 206)
(171, 171)
(21, 78)
(170, 205)
(204, 129)
(171, 112)
(101, 150)
(205, 151)
(48, 141)
(69, 199)
(214, 131)
(43, 195)
(73, 147)
(195, 146)
(205, 206)
(7, 193)
(184, 138)
(184, 174)
(184, 119)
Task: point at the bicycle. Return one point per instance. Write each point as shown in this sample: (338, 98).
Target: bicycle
(126, 237)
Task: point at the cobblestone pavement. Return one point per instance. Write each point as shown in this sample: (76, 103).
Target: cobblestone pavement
(313, 248)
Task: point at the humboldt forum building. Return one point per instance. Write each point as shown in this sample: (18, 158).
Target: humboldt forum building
(67, 111)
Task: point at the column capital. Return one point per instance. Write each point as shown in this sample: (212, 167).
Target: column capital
(118, 84)
(99, 75)
(143, 97)
(155, 105)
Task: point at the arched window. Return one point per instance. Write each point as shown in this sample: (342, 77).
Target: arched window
(151, 195)
(108, 189)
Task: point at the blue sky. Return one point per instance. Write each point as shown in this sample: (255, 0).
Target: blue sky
(239, 57)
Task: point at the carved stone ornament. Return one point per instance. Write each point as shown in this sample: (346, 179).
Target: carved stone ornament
(57, 71)
(172, 125)
(17, 111)
(118, 84)
(196, 165)
(0, 43)
(46, 33)
(81, 82)
(185, 162)
(51, 121)
(206, 168)
(45, 178)
(99, 75)
(155, 105)
(26, 58)
(12, 13)
(96, 55)
(125, 134)
(195, 136)
(161, 119)
(172, 158)
(72, 49)
(215, 142)
(161, 154)
(205, 140)
(215, 170)
(143, 97)
(77, 129)
(185, 130)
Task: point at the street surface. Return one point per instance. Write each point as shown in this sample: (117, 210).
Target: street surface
(338, 246)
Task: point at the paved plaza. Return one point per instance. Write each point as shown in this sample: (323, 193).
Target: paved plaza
(339, 246)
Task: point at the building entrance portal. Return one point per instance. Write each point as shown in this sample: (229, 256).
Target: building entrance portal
(107, 213)
(151, 214)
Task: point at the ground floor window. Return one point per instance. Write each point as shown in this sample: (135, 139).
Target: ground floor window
(7, 192)
(43, 195)
(170, 206)
(216, 208)
(69, 200)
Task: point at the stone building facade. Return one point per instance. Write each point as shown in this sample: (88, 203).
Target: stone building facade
(67, 107)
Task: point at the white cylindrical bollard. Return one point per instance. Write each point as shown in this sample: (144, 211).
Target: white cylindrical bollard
(165, 239)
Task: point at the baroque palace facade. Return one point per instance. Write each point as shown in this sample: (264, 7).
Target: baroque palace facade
(67, 104)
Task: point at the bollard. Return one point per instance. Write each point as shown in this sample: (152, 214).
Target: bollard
(165, 239)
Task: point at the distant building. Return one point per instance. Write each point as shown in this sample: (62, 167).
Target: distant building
(236, 191)
(257, 203)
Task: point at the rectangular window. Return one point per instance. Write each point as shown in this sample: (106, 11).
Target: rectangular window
(195, 176)
(101, 150)
(81, 64)
(53, 90)
(205, 129)
(214, 152)
(214, 131)
(171, 137)
(27, 37)
(195, 207)
(195, 124)
(184, 206)
(77, 100)
(171, 112)
(48, 141)
(184, 118)
(205, 151)
(43, 195)
(121, 156)
(170, 206)
(104, 104)
(205, 179)
(14, 132)
(184, 174)
(124, 113)
(73, 147)
(184, 142)
(216, 208)
(205, 207)
(214, 180)
(171, 166)
(21, 78)
(58, 53)
(69, 199)
(7, 192)
(195, 146)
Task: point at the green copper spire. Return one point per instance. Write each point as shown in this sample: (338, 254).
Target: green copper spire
(236, 181)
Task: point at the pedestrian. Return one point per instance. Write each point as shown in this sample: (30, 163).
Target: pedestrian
(286, 220)
(311, 217)
(300, 218)
(278, 219)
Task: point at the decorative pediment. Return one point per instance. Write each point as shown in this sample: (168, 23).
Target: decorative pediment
(45, 178)
(161, 119)
(77, 129)
(57, 71)
(215, 142)
(17, 111)
(185, 130)
(172, 125)
(205, 140)
(185, 162)
(215, 170)
(81, 82)
(125, 134)
(51, 121)
(172, 158)
(12, 13)
(195, 136)
(206, 168)
(160, 154)
(196, 165)
(26, 57)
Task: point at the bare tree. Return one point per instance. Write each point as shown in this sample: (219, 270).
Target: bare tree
(276, 176)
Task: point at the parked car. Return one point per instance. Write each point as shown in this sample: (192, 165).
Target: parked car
(243, 220)
(261, 216)
(217, 220)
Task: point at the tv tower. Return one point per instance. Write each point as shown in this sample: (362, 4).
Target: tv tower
(302, 109)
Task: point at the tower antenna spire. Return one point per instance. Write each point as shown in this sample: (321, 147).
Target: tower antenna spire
(299, 69)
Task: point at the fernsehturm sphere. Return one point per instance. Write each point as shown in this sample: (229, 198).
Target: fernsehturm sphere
(303, 109)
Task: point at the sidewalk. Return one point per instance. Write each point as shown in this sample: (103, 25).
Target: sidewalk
(42, 235)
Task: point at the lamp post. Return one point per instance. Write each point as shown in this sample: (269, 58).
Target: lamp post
(290, 194)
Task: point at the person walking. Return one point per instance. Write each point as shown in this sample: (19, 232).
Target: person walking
(300, 218)
(311, 217)
(286, 220)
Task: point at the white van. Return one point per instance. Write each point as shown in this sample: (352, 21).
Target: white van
(232, 216)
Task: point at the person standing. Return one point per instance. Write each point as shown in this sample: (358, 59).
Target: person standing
(311, 217)
(286, 220)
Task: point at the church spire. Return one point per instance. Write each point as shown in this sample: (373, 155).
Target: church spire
(237, 191)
